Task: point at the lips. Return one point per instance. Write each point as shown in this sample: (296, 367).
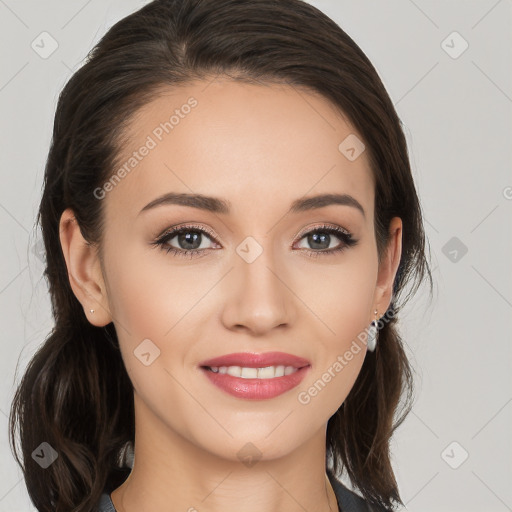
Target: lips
(256, 389)
(252, 360)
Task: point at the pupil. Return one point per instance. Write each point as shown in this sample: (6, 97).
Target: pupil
(186, 238)
(313, 240)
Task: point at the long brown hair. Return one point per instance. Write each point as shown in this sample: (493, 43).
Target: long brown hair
(75, 394)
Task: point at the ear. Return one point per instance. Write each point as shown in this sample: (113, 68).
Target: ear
(84, 270)
(388, 268)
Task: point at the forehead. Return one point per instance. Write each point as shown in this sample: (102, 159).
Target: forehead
(251, 144)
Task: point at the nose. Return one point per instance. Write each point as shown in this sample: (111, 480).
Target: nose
(258, 296)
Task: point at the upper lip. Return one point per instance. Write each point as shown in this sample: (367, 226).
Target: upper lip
(252, 360)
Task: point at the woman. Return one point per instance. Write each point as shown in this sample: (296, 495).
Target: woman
(230, 221)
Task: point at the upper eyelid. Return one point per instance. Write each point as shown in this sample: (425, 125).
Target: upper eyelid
(175, 229)
(326, 226)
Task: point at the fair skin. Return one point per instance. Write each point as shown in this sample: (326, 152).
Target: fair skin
(260, 148)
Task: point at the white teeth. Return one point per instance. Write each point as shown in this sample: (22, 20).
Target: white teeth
(269, 372)
(249, 373)
(234, 370)
(263, 373)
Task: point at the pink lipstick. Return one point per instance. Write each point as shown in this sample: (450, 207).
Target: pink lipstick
(256, 376)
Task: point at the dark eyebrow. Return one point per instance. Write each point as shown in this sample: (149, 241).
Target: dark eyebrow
(215, 205)
(210, 204)
(312, 203)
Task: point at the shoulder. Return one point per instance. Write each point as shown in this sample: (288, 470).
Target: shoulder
(348, 500)
(105, 504)
(116, 477)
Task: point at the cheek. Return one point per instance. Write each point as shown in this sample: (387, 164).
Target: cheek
(142, 305)
(340, 301)
(340, 295)
(149, 295)
(157, 312)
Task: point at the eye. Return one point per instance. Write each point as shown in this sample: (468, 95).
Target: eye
(322, 236)
(190, 240)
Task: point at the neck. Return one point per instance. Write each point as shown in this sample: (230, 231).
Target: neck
(171, 473)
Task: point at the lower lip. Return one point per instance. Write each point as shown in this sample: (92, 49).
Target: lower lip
(256, 389)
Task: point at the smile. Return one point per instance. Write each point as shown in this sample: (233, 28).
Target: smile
(268, 372)
(255, 383)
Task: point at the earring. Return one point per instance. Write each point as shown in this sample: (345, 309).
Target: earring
(372, 334)
(91, 310)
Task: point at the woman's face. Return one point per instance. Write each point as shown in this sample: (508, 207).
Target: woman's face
(256, 278)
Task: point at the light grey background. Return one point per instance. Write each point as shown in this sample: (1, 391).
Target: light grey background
(457, 113)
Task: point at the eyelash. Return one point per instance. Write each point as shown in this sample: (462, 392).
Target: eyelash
(344, 235)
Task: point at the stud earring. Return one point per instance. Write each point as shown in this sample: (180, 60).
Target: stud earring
(91, 310)
(372, 334)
